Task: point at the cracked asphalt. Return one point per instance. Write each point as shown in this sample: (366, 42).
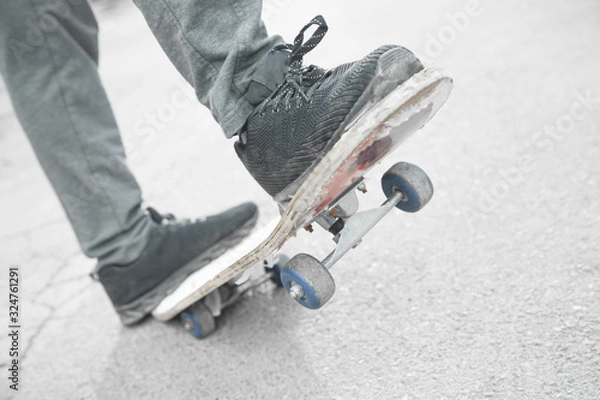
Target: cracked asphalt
(492, 291)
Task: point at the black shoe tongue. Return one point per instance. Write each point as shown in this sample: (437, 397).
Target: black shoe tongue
(267, 76)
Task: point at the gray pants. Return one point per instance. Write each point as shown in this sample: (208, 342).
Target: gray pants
(48, 58)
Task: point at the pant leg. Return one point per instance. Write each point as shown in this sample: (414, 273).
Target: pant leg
(222, 49)
(48, 58)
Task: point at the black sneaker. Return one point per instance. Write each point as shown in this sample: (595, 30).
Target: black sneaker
(174, 251)
(291, 130)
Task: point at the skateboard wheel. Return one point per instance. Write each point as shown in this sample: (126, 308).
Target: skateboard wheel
(308, 281)
(412, 181)
(198, 320)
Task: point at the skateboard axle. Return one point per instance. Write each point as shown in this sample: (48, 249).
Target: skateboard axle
(296, 292)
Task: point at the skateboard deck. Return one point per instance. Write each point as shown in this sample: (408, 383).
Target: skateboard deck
(374, 133)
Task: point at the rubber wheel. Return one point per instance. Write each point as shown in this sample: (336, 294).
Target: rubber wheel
(198, 320)
(412, 181)
(312, 276)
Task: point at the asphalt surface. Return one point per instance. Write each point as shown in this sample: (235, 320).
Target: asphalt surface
(492, 291)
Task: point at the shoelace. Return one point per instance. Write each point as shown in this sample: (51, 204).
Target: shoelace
(299, 78)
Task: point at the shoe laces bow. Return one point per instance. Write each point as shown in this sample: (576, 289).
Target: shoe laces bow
(299, 78)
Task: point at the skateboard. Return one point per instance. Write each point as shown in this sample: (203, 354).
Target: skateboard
(326, 197)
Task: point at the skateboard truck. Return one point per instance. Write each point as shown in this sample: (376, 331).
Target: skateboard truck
(308, 280)
(358, 225)
(355, 227)
(200, 320)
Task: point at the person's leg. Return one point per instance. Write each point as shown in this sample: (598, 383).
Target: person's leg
(48, 59)
(222, 49)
